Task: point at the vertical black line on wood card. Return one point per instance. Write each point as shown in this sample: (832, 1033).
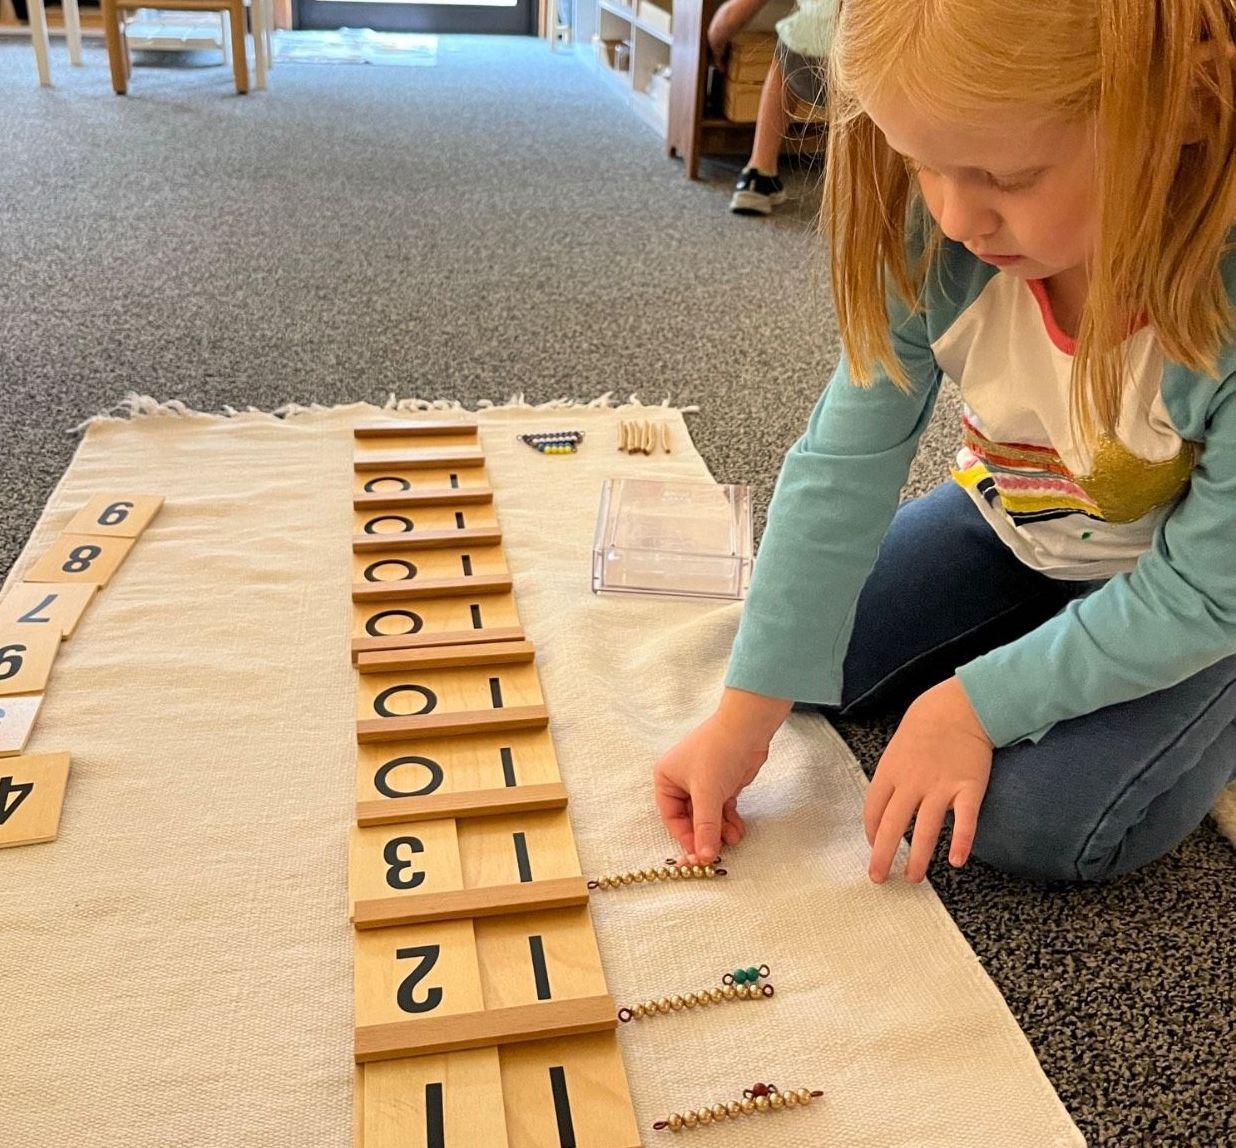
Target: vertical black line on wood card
(521, 857)
(562, 1107)
(495, 692)
(475, 611)
(435, 1128)
(466, 562)
(539, 972)
(508, 765)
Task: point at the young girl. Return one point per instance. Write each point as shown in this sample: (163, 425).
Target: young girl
(1036, 202)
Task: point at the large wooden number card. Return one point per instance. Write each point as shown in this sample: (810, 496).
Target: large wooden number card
(482, 1015)
(447, 621)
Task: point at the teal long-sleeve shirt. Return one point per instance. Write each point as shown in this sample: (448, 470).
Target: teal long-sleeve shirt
(1153, 511)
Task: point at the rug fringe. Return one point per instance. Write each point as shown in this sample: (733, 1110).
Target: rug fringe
(135, 406)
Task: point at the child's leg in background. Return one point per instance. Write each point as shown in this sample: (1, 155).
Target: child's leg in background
(770, 122)
(1098, 795)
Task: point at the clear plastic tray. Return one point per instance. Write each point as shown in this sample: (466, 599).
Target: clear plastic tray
(683, 539)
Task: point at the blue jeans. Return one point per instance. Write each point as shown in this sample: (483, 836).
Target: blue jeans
(1098, 795)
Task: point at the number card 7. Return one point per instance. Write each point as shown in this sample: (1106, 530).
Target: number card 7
(37, 606)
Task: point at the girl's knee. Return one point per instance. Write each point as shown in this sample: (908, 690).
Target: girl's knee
(1040, 857)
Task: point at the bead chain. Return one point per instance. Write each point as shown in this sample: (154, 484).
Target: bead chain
(670, 871)
(758, 1098)
(741, 984)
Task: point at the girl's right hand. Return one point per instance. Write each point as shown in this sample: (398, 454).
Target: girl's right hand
(697, 783)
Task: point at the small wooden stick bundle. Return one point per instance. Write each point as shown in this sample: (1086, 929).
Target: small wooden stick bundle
(640, 436)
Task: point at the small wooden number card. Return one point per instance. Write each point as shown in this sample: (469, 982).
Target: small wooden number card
(26, 659)
(34, 606)
(17, 716)
(89, 558)
(31, 795)
(115, 515)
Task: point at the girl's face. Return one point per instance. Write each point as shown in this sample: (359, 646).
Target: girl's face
(1020, 194)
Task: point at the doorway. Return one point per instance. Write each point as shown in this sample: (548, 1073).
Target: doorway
(476, 17)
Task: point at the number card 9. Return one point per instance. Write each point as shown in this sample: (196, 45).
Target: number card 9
(115, 515)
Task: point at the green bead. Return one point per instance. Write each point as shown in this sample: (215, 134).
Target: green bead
(753, 975)
(740, 976)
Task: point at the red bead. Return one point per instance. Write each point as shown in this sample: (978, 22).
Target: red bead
(760, 1090)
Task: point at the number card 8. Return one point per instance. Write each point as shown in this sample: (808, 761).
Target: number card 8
(81, 558)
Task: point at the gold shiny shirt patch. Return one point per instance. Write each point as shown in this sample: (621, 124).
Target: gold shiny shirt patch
(1125, 487)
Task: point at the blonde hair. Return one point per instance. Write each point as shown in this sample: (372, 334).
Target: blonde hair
(1154, 77)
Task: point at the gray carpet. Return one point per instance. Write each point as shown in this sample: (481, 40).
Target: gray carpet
(503, 223)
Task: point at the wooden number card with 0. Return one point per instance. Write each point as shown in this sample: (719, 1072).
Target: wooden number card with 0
(394, 575)
(442, 703)
(89, 558)
(448, 621)
(478, 775)
(425, 528)
(115, 515)
(432, 486)
(31, 796)
(37, 606)
(443, 870)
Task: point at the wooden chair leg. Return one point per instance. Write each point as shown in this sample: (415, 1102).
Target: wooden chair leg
(115, 47)
(240, 62)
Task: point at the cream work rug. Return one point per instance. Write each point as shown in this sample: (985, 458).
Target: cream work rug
(176, 968)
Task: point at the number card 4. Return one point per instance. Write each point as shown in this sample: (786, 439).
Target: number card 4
(31, 796)
(115, 515)
(81, 558)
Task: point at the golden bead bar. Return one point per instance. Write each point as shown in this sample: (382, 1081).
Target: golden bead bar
(760, 1098)
(670, 871)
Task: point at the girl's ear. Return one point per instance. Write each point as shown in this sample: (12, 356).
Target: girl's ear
(1214, 58)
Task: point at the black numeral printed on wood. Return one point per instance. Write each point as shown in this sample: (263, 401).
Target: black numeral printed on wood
(515, 841)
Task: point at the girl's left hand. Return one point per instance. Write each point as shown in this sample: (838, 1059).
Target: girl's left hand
(939, 759)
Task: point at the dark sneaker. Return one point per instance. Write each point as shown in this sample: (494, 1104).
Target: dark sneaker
(756, 193)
